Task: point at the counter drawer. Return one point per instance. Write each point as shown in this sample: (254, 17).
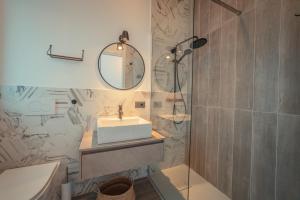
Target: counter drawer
(94, 164)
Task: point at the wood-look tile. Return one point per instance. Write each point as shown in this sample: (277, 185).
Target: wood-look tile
(265, 3)
(225, 157)
(226, 14)
(228, 61)
(245, 62)
(289, 88)
(196, 72)
(197, 15)
(245, 5)
(204, 17)
(214, 69)
(242, 155)
(196, 56)
(266, 56)
(264, 156)
(288, 158)
(215, 14)
(201, 68)
(199, 132)
(212, 141)
(194, 140)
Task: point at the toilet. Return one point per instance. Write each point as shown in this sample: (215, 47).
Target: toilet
(30, 183)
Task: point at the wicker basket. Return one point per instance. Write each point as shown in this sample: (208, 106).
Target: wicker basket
(120, 188)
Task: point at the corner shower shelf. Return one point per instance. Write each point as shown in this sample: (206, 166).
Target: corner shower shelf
(178, 117)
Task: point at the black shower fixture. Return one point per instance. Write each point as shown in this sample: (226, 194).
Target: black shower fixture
(197, 43)
(185, 53)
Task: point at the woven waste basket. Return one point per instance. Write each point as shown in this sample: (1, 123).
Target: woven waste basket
(120, 188)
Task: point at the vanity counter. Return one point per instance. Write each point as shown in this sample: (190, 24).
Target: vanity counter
(89, 143)
(105, 159)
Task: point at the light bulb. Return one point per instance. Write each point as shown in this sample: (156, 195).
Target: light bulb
(119, 46)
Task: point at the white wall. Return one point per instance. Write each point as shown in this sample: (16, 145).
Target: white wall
(70, 25)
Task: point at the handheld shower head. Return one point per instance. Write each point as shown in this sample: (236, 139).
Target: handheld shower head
(185, 53)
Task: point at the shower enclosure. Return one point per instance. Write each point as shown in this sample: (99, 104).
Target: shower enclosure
(172, 23)
(176, 46)
(239, 93)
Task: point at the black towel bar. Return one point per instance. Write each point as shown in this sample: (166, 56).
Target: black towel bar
(49, 53)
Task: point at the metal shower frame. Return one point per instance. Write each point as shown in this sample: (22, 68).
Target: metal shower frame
(228, 7)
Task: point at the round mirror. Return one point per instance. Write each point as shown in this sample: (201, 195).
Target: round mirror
(121, 66)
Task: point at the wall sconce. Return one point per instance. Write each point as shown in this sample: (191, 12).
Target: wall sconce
(124, 37)
(122, 40)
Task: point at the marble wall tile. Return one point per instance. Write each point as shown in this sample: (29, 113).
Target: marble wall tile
(212, 143)
(289, 88)
(242, 155)
(41, 124)
(245, 61)
(171, 20)
(214, 69)
(171, 23)
(225, 157)
(264, 156)
(266, 56)
(288, 158)
(228, 61)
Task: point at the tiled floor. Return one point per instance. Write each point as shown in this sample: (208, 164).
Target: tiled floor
(143, 190)
(172, 183)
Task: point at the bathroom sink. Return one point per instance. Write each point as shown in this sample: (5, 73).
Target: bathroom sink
(129, 128)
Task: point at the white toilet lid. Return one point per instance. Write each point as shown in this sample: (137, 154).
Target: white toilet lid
(27, 182)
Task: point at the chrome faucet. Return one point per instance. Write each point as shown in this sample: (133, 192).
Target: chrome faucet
(121, 112)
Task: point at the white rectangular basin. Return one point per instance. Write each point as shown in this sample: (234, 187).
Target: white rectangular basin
(129, 128)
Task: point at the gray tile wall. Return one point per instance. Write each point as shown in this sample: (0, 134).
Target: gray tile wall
(245, 125)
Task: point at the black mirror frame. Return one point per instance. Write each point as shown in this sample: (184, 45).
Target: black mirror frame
(99, 67)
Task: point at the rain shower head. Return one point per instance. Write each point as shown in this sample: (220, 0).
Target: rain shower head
(200, 42)
(197, 43)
